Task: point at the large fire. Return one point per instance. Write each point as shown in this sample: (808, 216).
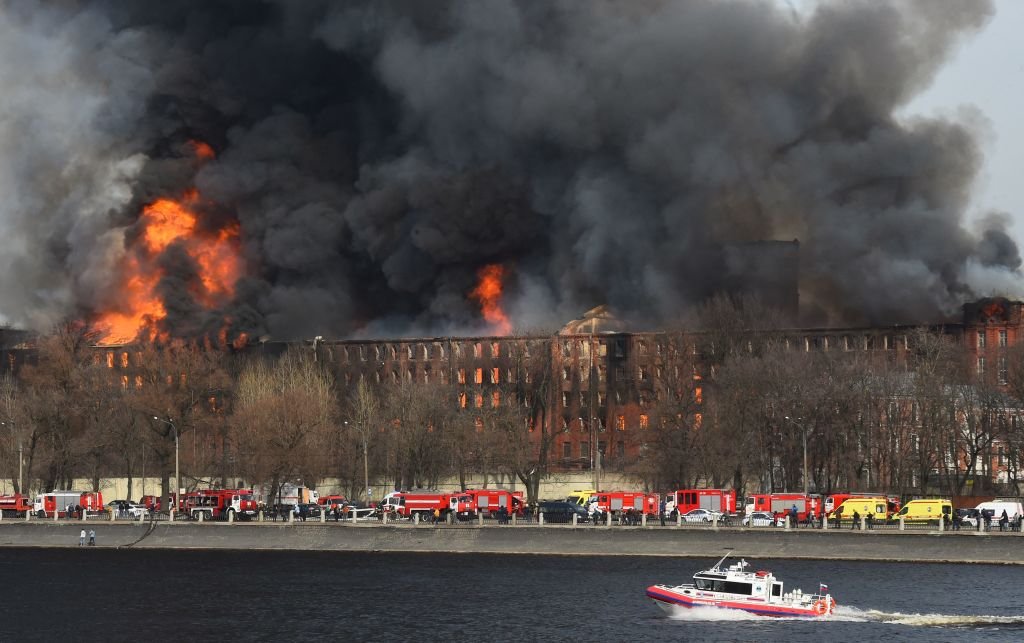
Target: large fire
(488, 294)
(170, 222)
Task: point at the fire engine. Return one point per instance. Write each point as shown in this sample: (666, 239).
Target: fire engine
(156, 503)
(489, 501)
(57, 502)
(220, 503)
(408, 503)
(833, 501)
(616, 501)
(712, 499)
(778, 503)
(14, 505)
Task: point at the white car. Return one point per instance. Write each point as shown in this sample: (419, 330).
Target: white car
(135, 510)
(759, 519)
(701, 515)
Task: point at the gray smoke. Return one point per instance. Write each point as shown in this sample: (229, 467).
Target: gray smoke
(377, 154)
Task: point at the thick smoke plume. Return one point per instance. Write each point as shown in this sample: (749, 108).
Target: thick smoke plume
(377, 154)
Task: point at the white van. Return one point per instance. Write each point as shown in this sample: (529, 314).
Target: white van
(995, 509)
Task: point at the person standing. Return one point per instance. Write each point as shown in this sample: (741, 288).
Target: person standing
(81, 539)
(1004, 521)
(661, 512)
(794, 517)
(856, 519)
(92, 537)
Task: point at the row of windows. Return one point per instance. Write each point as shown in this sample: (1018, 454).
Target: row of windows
(620, 423)
(1002, 370)
(982, 339)
(426, 352)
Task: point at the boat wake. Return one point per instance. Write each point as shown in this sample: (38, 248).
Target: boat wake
(929, 620)
(855, 615)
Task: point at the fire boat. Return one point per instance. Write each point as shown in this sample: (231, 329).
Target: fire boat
(739, 589)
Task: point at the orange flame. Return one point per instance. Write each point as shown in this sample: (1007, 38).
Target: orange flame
(167, 222)
(488, 294)
(202, 150)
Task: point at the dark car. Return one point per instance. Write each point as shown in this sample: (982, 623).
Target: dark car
(309, 510)
(562, 512)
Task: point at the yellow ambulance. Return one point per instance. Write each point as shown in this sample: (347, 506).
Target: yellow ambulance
(925, 510)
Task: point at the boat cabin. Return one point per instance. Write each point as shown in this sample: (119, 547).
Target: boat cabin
(760, 585)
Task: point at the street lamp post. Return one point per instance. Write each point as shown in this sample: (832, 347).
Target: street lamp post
(366, 461)
(803, 431)
(21, 459)
(177, 477)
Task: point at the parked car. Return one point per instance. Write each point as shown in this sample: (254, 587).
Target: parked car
(760, 519)
(562, 512)
(702, 515)
(120, 507)
(309, 510)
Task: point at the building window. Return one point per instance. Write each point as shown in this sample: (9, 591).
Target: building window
(426, 376)
(698, 394)
(566, 349)
(1002, 338)
(440, 350)
(1002, 369)
(601, 373)
(478, 350)
(620, 348)
(495, 375)
(426, 351)
(620, 422)
(644, 373)
(602, 349)
(478, 376)
(600, 425)
(508, 374)
(376, 353)
(643, 400)
(584, 450)
(461, 376)
(641, 346)
(981, 366)
(645, 421)
(410, 352)
(394, 377)
(462, 400)
(566, 450)
(495, 349)
(601, 398)
(565, 373)
(479, 400)
(981, 339)
(408, 375)
(362, 353)
(565, 424)
(495, 398)
(457, 349)
(392, 352)
(566, 399)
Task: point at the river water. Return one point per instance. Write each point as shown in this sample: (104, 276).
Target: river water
(160, 595)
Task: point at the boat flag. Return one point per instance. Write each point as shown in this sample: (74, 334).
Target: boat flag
(822, 587)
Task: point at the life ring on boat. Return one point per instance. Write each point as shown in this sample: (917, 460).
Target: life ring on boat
(762, 574)
(820, 607)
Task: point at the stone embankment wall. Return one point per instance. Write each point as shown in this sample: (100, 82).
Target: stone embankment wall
(1005, 548)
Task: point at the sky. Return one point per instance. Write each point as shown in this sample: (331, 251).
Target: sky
(988, 74)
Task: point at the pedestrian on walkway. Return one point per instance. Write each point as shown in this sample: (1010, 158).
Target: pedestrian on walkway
(1004, 521)
(81, 539)
(856, 519)
(661, 512)
(92, 537)
(794, 517)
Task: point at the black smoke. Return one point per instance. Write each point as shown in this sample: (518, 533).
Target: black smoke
(376, 154)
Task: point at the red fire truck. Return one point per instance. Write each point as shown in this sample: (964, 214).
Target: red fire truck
(408, 503)
(781, 503)
(46, 505)
(220, 504)
(490, 501)
(14, 505)
(155, 502)
(722, 500)
(617, 501)
(836, 499)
